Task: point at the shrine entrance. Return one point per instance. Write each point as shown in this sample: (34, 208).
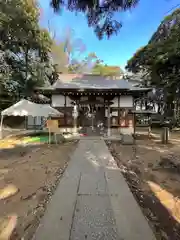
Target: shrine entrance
(92, 117)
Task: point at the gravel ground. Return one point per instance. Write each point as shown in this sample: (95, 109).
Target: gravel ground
(152, 171)
(35, 171)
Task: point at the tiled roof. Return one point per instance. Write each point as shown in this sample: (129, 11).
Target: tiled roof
(74, 81)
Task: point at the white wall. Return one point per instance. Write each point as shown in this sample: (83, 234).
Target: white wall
(68, 102)
(126, 101)
(115, 102)
(58, 100)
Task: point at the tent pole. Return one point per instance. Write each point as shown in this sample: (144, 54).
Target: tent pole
(50, 134)
(1, 127)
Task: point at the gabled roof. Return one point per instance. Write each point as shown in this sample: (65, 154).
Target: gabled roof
(74, 81)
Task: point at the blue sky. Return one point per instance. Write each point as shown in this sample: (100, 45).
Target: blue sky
(138, 26)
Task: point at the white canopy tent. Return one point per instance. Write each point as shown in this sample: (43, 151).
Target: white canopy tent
(27, 108)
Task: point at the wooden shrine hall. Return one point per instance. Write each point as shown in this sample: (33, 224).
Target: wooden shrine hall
(94, 104)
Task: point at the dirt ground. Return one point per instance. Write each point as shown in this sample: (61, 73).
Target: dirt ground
(35, 171)
(152, 171)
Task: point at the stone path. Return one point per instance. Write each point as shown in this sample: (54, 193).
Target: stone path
(93, 201)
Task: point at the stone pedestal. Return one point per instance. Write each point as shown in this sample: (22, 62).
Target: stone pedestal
(127, 139)
(75, 115)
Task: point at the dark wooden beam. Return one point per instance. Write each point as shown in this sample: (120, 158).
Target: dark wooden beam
(119, 110)
(65, 111)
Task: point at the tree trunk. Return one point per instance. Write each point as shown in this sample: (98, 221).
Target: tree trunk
(26, 74)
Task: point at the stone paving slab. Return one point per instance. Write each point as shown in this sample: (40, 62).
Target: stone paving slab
(93, 211)
(130, 220)
(57, 221)
(93, 201)
(94, 219)
(101, 233)
(94, 183)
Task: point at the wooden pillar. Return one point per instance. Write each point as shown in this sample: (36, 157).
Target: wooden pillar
(65, 110)
(75, 115)
(78, 121)
(109, 121)
(134, 123)
(149, 126)
(119, 110)
(1, 127)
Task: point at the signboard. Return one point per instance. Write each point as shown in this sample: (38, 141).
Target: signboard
(52, 125)
(114, 114)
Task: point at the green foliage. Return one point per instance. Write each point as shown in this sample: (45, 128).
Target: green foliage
(24, 49)
(100, 14)
(106, 70)
(83, 66)
(91, 64)
(59, 56)
(160, 58)
(66, 53)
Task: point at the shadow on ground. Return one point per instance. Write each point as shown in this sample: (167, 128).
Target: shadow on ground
(18, 151)
(140, 166)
